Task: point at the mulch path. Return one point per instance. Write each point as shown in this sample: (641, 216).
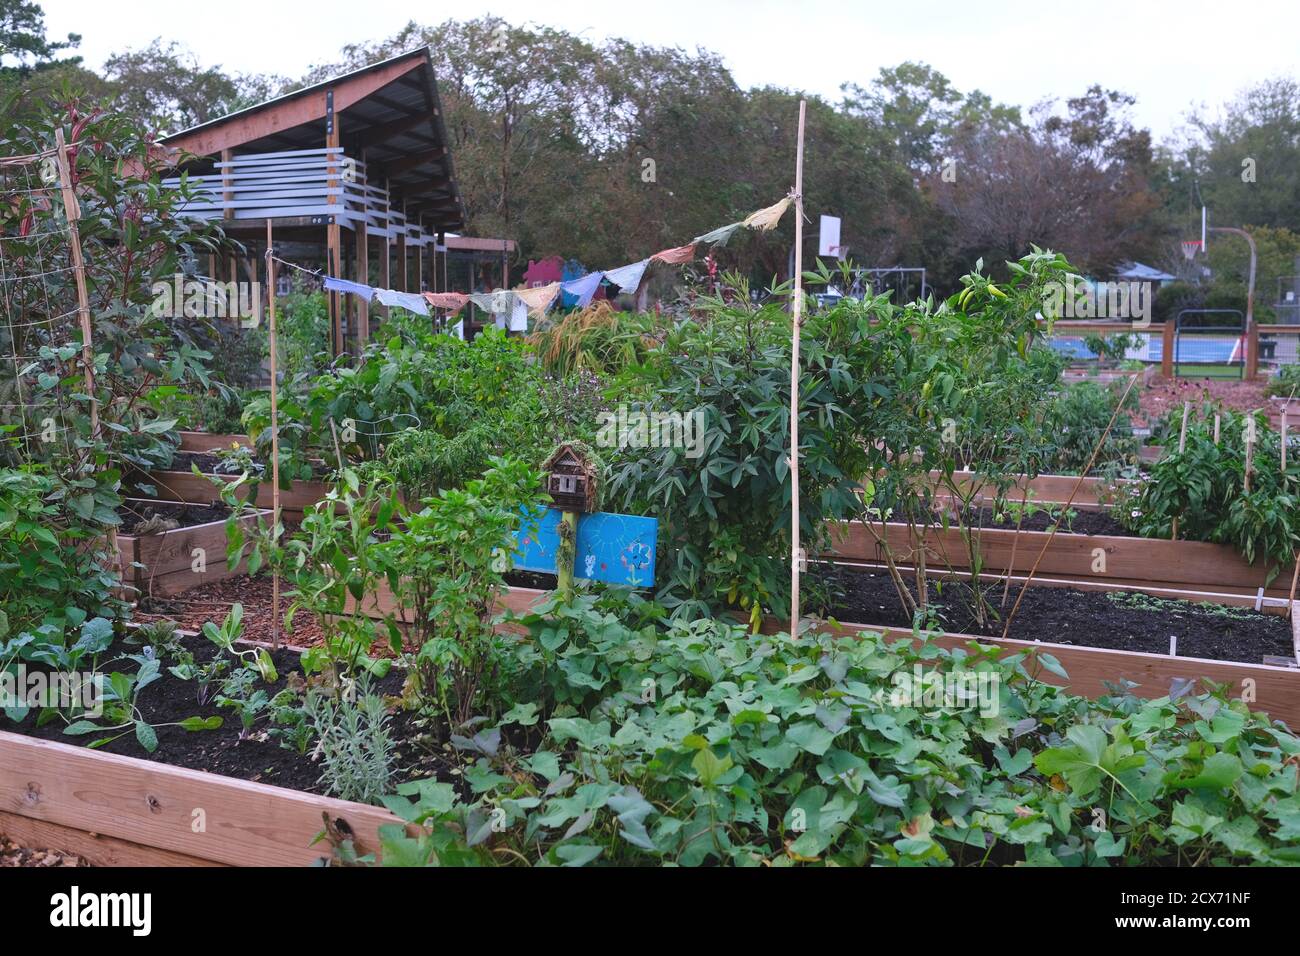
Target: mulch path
(212, 602)
(1164, 395)
(12, 854)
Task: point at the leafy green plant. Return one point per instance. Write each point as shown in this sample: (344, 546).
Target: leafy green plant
(447, 562)
(1204, 489)
(357, 751)
(1077, 420)
(693, 743)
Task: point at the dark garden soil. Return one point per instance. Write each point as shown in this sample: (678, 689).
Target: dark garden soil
(207, 464)
(1074, 521)
(258, 757)
(165, 516)
(1125, 621)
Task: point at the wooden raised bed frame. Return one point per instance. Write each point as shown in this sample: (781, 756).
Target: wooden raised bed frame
(122, 811)
(1130, 562)
(168, 557)
(185, 486)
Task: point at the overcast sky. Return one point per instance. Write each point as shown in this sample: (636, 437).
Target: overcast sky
(1168, 54)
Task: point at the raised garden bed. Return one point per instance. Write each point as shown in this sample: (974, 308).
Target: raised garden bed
(175, 558)
(211, 441)
(1128, 562)
(198, 489)
(1118, 620)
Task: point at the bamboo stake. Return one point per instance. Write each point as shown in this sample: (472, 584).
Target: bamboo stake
(1182, 445)
(1284, 430)
(1250, 452)
(797, 318)
(1006, 627)
(275, 442)
(72, 210)
(1216, 429)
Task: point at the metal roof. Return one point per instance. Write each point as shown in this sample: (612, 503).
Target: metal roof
(388, 112)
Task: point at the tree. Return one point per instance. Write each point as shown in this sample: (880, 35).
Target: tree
(23, 40)
(166, 88)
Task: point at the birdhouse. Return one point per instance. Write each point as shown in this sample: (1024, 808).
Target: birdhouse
(571, 479)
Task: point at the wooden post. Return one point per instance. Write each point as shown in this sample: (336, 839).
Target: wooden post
(1216, 429)
(275, 443)
(403, 276)
(333, 231)
(796, 553)
(566, 553)
(1167, 352)
(363, 276)
(72, 211)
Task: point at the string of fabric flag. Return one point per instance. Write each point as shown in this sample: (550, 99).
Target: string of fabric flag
(510, 308)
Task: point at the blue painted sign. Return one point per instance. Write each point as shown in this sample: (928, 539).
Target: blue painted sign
(615, 549)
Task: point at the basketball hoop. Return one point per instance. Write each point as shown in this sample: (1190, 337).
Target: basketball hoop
(1190, 248)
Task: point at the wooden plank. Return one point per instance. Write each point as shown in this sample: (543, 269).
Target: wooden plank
(94, 848)
(197, 489)
(239, 822)
(207, 442)
(1242, 598)
(1197, 565)
(1273, 690)
(307, 106)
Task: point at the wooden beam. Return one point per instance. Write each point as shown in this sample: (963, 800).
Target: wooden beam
(278, 116)
(96, 849)
(171, 808)
(1196, 565)
(334, 242)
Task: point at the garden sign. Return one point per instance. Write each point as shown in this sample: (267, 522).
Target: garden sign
(616, 549)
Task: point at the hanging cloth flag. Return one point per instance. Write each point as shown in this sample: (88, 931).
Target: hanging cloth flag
(519, 315)
(628, 278)
(343, 285)
(584, 288)
(766, 219)
(499, 302)
(403, 300)
(677, 255)
(718, 236)
(539, 298)
(452, 301)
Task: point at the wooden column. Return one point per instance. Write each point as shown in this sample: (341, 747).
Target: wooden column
(403, 277)
(333, 231)
(363, 276)
(1167, 356)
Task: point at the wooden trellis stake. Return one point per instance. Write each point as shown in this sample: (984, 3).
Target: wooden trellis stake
(275, 440)
(796, 554)
(73, 212)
